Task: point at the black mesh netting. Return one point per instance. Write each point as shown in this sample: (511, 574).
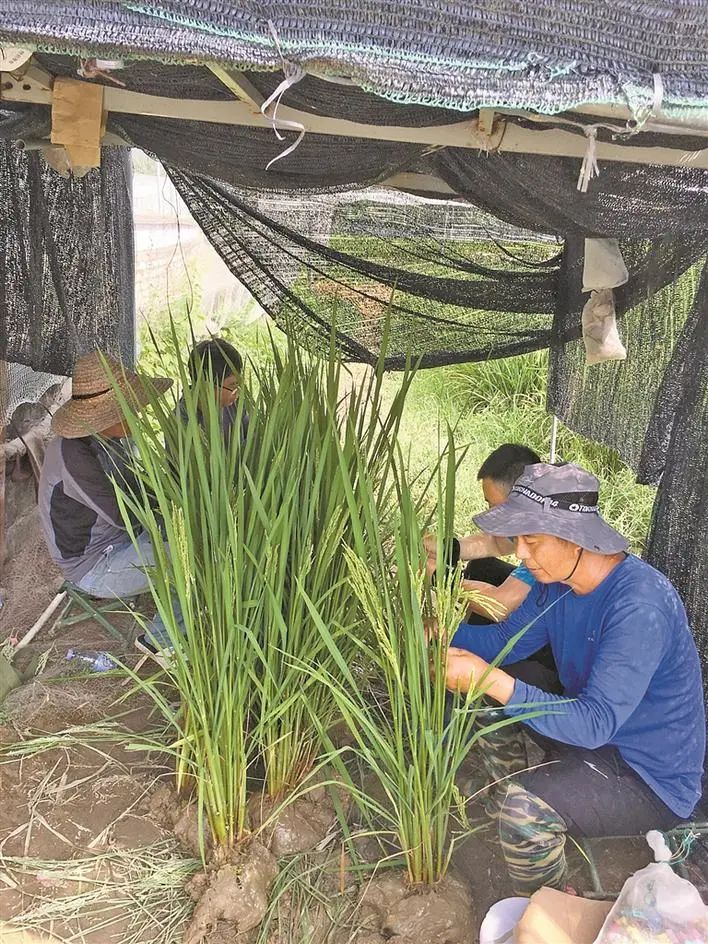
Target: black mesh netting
(455, 290)
(546, 56)
(66, 258)
(447, 300)
(457, 283)
(679, 431)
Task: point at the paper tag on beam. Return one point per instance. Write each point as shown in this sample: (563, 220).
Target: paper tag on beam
(13, 58)
(77, 120)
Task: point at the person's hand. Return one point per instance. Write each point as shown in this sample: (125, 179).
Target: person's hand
(431, 628)
(430, 566)
(464, 669)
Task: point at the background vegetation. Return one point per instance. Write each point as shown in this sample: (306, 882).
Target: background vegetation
(486, 404)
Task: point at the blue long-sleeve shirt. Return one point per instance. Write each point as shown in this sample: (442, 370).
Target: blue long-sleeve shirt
(630, 672)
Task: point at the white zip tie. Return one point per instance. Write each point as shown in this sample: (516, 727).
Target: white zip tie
(589, 168)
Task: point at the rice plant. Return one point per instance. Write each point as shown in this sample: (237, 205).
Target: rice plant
(411, 738)
(249, 540)
(184, 499)
(296, 494)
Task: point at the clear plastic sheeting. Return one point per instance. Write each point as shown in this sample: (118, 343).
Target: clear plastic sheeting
(20, 384)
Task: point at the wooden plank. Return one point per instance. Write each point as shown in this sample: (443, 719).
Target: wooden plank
(464, 134)
(238, 84)
(77, 120)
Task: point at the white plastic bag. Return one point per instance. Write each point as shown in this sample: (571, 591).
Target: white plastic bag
(603, 270)
(501, 919)
(600, 334)
(656, 906)
(603, 265)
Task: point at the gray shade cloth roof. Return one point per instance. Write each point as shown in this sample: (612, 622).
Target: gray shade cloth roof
(545, 56)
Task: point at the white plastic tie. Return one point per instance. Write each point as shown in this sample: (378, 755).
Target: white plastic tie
(658, 99)
(293, 74)
(589, 168)
(658, 845)
(637, 122)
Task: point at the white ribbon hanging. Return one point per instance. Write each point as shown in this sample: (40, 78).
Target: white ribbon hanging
(293, 74)
(637, 123)
(589, 168)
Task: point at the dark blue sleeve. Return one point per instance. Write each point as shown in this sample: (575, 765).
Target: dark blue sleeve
(489, 641)
(634, 639)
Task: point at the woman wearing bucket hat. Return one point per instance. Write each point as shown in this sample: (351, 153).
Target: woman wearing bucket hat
(82, 523)
(624, 722)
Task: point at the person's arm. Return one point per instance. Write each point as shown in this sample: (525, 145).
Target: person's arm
(489, 641)
(476, 546)
(508, 596)
(633, 643)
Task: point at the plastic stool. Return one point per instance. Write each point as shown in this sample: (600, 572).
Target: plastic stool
(69, 597)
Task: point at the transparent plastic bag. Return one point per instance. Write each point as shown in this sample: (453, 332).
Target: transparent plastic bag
(600, 335)
(656, 906)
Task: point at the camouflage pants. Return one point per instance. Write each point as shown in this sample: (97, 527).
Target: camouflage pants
(532, 834)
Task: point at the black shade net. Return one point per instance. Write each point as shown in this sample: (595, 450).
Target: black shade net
(457, 283)
(66, 256)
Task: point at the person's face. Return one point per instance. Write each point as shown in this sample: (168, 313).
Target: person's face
(550, 559)
(229, 390)
(494, 492)
(119, 430)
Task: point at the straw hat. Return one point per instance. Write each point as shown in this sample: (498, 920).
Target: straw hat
(94, 406)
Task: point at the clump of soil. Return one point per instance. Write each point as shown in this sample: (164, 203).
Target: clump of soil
(299, 827)
(51, 701)
(440, 915)
(233, 898)
(181, 818)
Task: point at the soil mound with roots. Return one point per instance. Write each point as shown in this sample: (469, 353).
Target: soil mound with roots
(182, 819)
(52, 701)
(233, 898)
(300, 826)
(441, 915)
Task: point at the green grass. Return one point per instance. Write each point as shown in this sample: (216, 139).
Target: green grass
(494, 402)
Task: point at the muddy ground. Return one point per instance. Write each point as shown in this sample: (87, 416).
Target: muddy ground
(83, 854)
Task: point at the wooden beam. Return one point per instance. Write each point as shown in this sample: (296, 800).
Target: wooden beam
(616, 116)
(420, 183)
(486, 121)
(77, 120)
(237, 83)
(459, 134)
(507, 136)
